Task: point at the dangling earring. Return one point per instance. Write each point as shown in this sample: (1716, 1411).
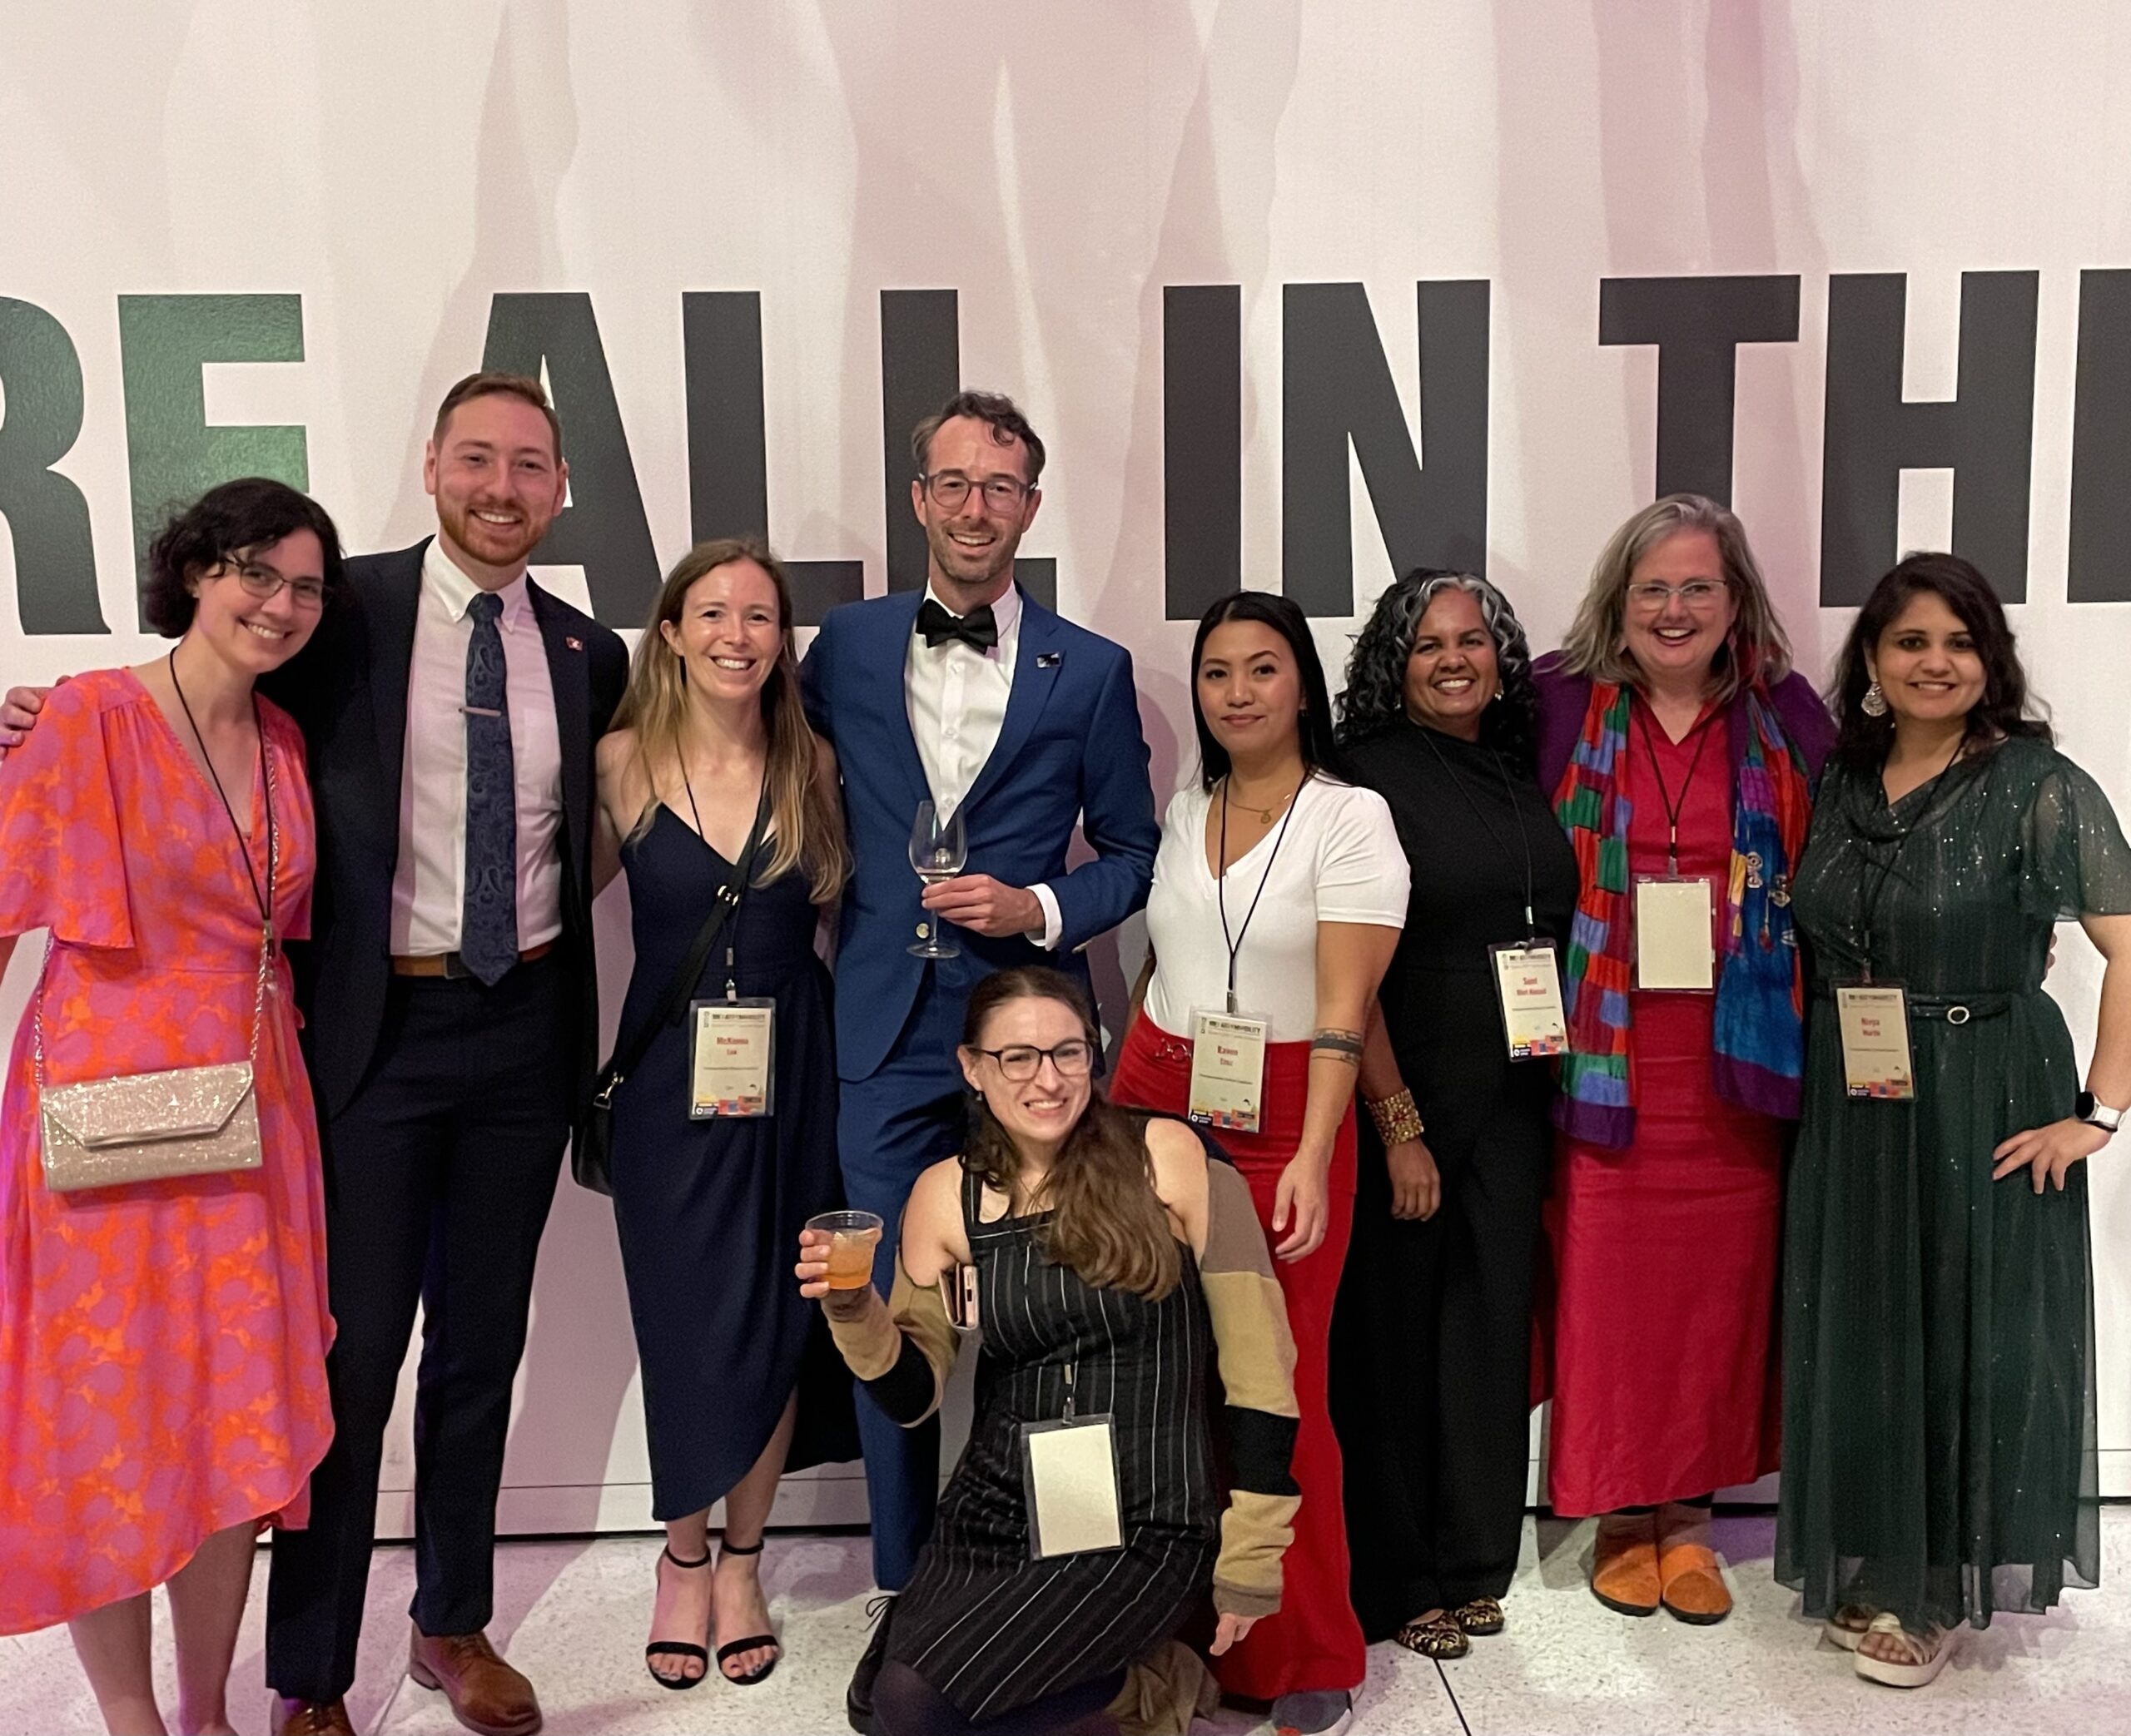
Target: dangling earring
(1874, 704)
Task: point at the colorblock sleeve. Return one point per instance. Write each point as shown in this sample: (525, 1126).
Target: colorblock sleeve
(59, 831)
(902, 1349)
(1361, 872)
(1256, 1357)
(2074, 861)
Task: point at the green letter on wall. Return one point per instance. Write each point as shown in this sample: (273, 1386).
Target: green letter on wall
(55, 566)
(173, 455)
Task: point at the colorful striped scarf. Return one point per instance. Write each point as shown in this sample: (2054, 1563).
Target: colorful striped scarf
(1760, 1057)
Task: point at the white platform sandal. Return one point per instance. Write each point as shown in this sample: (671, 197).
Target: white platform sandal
(1930, 1649)
(1847, 1624)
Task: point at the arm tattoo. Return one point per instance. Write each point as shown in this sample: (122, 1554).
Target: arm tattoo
(1342, 1045)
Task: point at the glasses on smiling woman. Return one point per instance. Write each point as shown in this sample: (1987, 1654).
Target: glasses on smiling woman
(263, 582)
(1651, 596)
(947, 489)
(1020, 1062)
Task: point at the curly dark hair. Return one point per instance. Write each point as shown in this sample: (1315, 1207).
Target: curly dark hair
(231, 519)
(2003, 710)
(996, 411)
(1375, 695)
(1320, 750)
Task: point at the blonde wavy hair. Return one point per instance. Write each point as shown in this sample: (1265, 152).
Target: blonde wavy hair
(1755, 653)
(806, 821)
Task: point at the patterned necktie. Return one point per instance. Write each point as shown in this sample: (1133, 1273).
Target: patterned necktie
(487, 928)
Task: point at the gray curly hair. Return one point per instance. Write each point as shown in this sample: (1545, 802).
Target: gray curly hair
(1375, 694)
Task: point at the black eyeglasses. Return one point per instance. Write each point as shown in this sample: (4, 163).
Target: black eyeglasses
(262, 581)
(949, 488)
(1020, 1062)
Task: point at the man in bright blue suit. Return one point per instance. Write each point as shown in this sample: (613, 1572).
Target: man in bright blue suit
(975, 696)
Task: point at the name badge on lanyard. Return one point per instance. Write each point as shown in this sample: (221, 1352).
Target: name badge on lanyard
(1228, 1048)
(1528, 979)
(1675, 913)
(1228, 1071)
(1069, 1483)
(733, 1062)
(1675, 933)
(1874, 1021)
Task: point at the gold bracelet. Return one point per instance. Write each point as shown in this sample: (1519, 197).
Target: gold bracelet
(1397, 1120)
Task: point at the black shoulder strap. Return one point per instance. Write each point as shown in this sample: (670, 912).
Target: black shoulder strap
(672, 1003)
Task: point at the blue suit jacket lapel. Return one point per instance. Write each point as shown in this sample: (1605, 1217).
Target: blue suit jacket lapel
(389, 621)
(884, 669)
(1036, 663)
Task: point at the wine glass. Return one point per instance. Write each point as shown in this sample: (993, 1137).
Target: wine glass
(937, 851)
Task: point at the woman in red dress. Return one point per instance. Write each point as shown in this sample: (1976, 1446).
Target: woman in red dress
(1679, 748)
(162, 1343)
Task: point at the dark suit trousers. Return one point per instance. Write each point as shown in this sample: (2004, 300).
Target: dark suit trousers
(439, 1173)
(890, 1129)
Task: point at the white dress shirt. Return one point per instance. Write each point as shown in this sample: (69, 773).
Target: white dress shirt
(957, 699)
(428, 886)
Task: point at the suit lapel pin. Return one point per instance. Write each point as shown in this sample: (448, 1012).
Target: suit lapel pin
(1046, 659)
(573, 642)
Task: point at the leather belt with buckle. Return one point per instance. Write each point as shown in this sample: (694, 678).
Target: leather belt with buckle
(450, 965)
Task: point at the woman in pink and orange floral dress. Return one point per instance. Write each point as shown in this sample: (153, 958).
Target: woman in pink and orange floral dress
(162, 1343)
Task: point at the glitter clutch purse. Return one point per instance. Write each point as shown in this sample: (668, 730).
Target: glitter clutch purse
(146, 1127)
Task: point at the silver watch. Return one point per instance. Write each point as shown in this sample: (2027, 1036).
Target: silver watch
(2091, 1109)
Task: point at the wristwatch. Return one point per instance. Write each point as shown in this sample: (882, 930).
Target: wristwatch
(2091, 1109)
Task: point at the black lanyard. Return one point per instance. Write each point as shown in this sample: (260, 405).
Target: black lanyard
(746, 865)
(264, 900)
(1672, 808)
(1523, 834)
(1234, 942)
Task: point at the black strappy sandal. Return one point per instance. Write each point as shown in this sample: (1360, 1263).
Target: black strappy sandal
(754, 1642)
(678, 1648)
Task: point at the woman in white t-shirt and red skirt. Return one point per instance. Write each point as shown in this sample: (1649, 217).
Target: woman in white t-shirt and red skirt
(1278, 894)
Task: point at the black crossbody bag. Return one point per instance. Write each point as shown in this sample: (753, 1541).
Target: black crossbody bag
(592, 1145)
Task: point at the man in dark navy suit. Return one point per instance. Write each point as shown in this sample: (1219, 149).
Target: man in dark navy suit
(975, 696)
(451, 709)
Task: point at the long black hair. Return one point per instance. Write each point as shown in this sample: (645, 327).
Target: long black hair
(1320, 748)
(1375, 696)
(2003, 711)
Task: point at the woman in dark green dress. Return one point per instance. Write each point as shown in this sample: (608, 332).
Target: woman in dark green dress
(1939, 1424)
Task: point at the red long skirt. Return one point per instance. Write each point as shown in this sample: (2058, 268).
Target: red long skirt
(1315, 1641)
(1665, 1271)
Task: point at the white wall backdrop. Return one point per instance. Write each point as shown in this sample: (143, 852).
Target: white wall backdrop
(397, 164)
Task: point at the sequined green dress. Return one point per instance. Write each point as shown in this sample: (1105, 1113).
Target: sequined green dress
(1939, 1359)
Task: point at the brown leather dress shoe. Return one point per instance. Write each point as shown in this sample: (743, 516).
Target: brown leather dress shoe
(487, 1695)
(311, 1717)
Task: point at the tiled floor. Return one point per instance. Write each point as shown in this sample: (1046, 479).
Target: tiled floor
(571, 1614)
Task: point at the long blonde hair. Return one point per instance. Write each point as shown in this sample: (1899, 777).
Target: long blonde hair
(1757, 653)
(806, 820)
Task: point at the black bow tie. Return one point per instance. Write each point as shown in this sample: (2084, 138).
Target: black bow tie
(976, 629)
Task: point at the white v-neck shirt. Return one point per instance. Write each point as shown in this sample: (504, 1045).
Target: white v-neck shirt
(1340, 861)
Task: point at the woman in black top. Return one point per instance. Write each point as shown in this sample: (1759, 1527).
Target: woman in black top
(1431, 1344)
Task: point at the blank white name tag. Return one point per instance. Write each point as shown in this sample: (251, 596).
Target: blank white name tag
(1675, 934)
(1873, 1019)
(1069, 1473)
(733, 1059)
(1228, 1071)
(1528, 979)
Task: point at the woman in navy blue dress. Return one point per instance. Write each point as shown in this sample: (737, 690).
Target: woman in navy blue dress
(710, 749)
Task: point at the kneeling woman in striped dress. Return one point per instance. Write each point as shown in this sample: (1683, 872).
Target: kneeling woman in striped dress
(1116, 1271)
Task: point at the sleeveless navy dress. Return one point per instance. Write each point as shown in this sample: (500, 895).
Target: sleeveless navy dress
(709, 1212)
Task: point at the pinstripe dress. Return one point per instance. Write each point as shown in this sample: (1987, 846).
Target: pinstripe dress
(991, 1629)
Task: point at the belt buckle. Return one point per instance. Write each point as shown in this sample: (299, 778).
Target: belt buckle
(1958, 1015)
(455, 968)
